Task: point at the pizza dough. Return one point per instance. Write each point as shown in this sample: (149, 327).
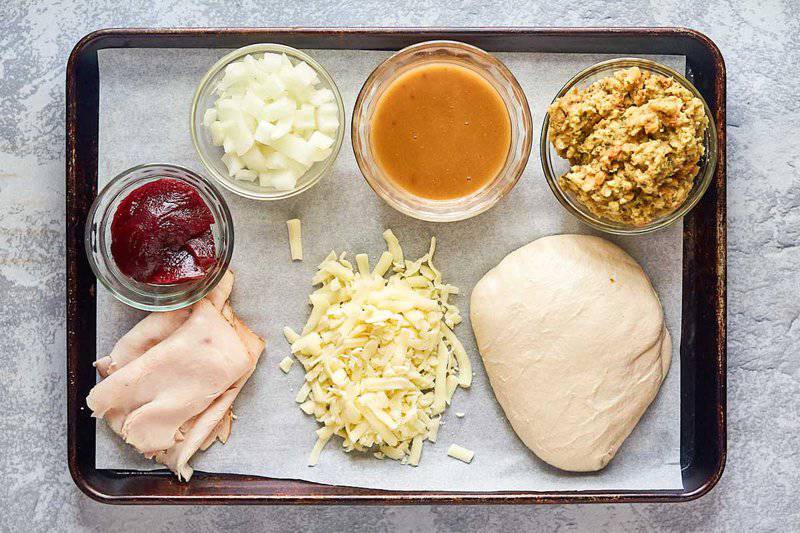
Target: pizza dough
(573, 339)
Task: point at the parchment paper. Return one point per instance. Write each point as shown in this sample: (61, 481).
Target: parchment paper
(145, 99)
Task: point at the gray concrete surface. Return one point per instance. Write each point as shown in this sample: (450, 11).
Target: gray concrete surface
(760, 42)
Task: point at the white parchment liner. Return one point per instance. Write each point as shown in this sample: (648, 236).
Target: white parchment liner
(145, 99)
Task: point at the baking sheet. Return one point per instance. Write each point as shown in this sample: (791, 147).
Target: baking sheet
(145, 99)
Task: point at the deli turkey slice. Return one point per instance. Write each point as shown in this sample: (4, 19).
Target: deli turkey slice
(156, 327)
(150, 398)
(171, 381)
(215, 422)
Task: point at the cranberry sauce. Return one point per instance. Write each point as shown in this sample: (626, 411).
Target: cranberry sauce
(161, 233)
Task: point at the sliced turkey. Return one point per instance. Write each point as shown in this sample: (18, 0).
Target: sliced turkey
(215, 422)
(171, 381)
(156, 327)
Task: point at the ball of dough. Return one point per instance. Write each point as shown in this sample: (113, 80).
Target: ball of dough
(573, 339)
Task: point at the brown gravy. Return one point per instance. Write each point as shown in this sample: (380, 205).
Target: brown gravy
(440, 131)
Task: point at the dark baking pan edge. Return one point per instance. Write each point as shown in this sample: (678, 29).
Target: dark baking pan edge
(703, 368)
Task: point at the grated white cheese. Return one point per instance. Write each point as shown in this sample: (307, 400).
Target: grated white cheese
(383, 264)
(381, 361)
(323, 436)
(459, 452)
(303, 393)
(290, 335)
(433, 428)
(394, 247)
(295, 239)
(363, 264)
(416, 450)
(286, 364)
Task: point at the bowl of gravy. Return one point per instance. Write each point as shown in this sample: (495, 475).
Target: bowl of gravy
(441, 131)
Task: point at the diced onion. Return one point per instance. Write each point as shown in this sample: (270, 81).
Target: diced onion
(273, 120)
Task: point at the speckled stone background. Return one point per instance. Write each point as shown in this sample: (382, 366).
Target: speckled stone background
(760, 42)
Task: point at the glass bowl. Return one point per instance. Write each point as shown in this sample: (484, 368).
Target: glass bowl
(493, 71)
(554, 166)
(144, 295)
(210, 155)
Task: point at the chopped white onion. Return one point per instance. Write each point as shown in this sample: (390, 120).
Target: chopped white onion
(217, 136)
(321, 96)
(320, 140)
(233, 163)
(246, 175)
(283, 180)
(272, 119)
(304, 118)
(264, 130)
(255, 160)
(271, 62)
(209, 117)
(282, 127)
(277, 161)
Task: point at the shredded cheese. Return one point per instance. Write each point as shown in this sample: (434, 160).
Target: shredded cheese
(459, 452)
(380, 358)
(416, 450)
(323, 436)
(362, 260)
(295, 239)
(433, 428)
(394, 247)
(383, 264)
(303, 393)
(290, 335)
(286, 364)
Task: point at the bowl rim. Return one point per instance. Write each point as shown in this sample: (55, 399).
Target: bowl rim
(224, 260)
(706, 173)
(223, 62)
(526, 137)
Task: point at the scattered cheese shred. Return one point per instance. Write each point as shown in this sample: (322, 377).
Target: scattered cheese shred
(362, 260)
(452, 385)
(380, 358)
(383, 264)
(323, 436)
(295, 239)
(464, 366)
(286, 364)
(416, 450)
(433, 428)
(303, 393)
(459, 452)
(290, 335)
(394, 246)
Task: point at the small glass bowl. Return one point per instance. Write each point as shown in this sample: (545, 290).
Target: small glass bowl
(491, 69)
(144, 295)
(205, 97)
(554, 166)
